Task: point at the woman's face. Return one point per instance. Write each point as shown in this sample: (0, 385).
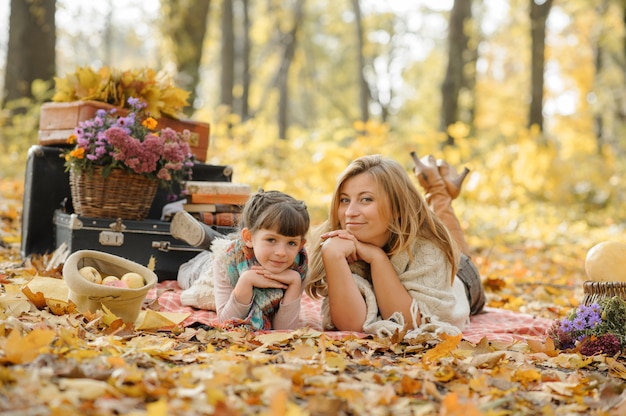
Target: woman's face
(360, 206)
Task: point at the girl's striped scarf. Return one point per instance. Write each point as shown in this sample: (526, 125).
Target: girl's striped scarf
(265, 301)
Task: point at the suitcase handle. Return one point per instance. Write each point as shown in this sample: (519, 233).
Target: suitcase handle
(167, 246)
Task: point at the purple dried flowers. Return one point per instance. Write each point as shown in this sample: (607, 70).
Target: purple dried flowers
(595, 329)
(130, 142)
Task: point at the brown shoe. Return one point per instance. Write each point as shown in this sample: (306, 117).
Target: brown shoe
(452, 178)
(427, 171)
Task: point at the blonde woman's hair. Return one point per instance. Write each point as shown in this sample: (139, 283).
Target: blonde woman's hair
(410, 218)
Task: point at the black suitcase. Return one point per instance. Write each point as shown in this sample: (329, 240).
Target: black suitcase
(46, 189)
(135, 240)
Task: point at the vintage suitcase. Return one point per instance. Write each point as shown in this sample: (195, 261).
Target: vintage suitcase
(135, 240)
(46, 189)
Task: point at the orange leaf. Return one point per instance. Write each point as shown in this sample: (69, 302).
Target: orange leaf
(442, 349)
(23, 350)
(38, 298)
(451, 406)
(410, 385)
(546, 347)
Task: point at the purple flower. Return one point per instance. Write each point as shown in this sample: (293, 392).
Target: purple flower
(579, 323)
(595, 308)
(582, 311)
(593, 319)
(566, 325)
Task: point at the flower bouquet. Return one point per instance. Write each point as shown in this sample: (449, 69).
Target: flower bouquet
(112, 86)
(597, 328)
(118, 161)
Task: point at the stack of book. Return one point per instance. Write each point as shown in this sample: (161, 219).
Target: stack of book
(216, 203)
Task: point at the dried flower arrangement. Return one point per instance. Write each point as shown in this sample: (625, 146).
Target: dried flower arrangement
(593, 329)
(129, 142)
(114, 87)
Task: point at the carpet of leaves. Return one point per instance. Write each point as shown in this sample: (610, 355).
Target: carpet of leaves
(60, 362)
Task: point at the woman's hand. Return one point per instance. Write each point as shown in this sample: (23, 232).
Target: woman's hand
(362, 251)
(339, 244)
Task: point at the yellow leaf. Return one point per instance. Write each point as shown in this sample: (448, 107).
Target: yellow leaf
(41, 288)
(150, 319)
(11, 305)
(151, 263)
(23, 350)
(444, 373)
(336, 361)
(527, 376)
(616, 368)
(274, 337)
(60, 307)
(158, 408)
(442, 349)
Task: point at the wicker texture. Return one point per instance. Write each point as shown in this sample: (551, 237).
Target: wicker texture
(596, 291)
(120, 195)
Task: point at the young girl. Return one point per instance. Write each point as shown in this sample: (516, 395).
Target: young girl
(383, 261)
(254, 277)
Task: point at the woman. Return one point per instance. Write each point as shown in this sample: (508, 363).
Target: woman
(384, 262)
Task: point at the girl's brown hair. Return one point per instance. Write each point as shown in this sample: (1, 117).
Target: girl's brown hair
(410, 217)
(274, 210)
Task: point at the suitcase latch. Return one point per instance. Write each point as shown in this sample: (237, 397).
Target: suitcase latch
(167, 246)
(114, 237)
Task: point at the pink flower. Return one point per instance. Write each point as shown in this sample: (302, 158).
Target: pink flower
(128, 143)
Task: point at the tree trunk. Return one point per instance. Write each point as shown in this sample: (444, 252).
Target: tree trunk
(289, 40)
(538, 16)
(457, 50)
(245, 56)
(227, 78)
(31, 51)
(363, 87)
(186, 23)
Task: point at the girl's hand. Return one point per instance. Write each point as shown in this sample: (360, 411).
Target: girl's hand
(256, 278)
(289, 280)
(287, 277)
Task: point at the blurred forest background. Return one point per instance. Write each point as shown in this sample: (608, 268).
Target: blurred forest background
(528, 94)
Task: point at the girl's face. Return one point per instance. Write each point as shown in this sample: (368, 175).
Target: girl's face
(275, 252)
(360, 207)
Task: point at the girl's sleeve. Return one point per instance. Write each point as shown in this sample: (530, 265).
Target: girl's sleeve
(226, 305)
(288, 315)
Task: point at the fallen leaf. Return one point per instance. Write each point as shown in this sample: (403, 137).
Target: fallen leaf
(22, 350)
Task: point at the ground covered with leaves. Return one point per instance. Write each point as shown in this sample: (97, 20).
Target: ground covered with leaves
(55, 361)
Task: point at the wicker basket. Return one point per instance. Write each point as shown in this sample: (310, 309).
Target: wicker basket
(596, 291)
(120, 195)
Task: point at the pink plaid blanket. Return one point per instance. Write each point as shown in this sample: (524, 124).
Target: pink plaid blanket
(495, 324)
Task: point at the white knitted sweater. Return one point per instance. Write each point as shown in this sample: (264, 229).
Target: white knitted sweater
(443, 307)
